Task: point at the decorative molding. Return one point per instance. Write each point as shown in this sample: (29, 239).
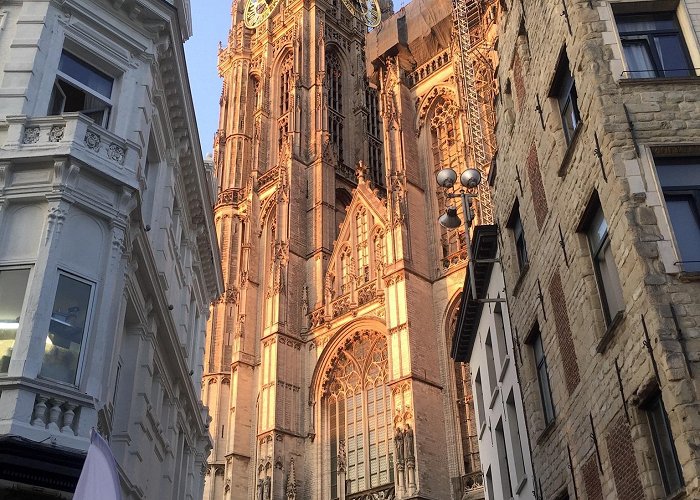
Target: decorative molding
(92, 140)
(31, 135)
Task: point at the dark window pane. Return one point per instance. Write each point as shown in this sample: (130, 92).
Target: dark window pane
(86, 74)
(639, 59)
(686, 223)
(664, 447)
(65, 337)
(679, 171)
(672, 55)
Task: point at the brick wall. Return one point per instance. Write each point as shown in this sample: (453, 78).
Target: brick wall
(591, 479)
(564, 337)
(624, 466)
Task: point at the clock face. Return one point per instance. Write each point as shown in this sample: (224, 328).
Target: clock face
(257, 11)
(367, 10)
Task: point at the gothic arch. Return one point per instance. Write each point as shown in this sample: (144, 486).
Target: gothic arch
(324, 362)
(426, 103)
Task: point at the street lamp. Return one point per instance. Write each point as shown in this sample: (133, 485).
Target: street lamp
(470, 179)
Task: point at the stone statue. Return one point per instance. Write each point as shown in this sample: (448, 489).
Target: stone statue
(260, 489)
(408, 442)
(266, 488)
(398, 444)
(341, 455)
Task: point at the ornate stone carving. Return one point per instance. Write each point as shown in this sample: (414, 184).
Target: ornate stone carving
(31, 135)
(56, 133)
(92, 140)
(116, 153)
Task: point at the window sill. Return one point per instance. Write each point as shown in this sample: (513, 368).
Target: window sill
(566, 161)
(521, 278)
(610, 332)
(682, 493)
(689, 276)
(521, 485)
(483, 429)
(546, 431)
(504, 366)
(494, 395)
(658, 80)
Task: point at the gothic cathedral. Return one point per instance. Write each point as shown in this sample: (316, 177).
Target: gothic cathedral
(327, 371)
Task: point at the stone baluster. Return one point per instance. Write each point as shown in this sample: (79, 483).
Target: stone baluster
(54, 414)
(39, 416)
(68, 416)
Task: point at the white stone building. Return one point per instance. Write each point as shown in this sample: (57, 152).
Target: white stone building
(484, 339)
(108, 259)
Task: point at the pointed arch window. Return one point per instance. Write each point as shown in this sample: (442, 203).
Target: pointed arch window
(285, 100)
(334, 87)
(361, 228)
(444, 133)
(357, 413)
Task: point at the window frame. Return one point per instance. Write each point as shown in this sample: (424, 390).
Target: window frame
(597, 254)
(689, 191)
(534, 339)
(86, 329)
(19, 267)
(648, 37)
(64, 77)
(515, 224)
(655, 403)
(563, 91)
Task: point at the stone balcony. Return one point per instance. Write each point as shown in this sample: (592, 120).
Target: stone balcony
(74, 135)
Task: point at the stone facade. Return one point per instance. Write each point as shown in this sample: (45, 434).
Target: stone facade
(582, 135)
(108, 257)
(327, 371)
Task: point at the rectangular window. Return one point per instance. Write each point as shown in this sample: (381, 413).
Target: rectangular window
(564, 91)
(666, 456)
(67, 329)
(515, 224)
(13, 287)
(500, 335)
(653, 45)
(81, 88)
(535, 339)
(516, 444)
(479, 393)
(606, 273)
(490, 364)
(680, 183)
(503, 467)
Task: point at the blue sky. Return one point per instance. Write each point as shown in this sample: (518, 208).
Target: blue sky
(210, 23)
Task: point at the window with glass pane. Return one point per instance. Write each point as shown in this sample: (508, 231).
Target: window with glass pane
(515, 224)
(66, 330)
(607, 276)
(13, 286)
(81, 88)
(680, 183)
(666, 456)
(359, 419)
(564, 90)
(653, 45)
(542, 375)
(362, 233)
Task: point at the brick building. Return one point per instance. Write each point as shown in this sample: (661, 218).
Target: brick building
(327, 371)
(596, 196)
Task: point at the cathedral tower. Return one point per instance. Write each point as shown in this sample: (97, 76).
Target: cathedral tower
(326, 368)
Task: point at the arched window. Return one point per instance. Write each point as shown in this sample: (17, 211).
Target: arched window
(361, 229)
(342, 202)
(334, 87)
(446, 154)
(285, 99)
(357, 414)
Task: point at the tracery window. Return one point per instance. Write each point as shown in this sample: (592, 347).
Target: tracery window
(357, 413)
(374, 138)
(361, 224)
(446, 154)
(285, 103)
(334, 88)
